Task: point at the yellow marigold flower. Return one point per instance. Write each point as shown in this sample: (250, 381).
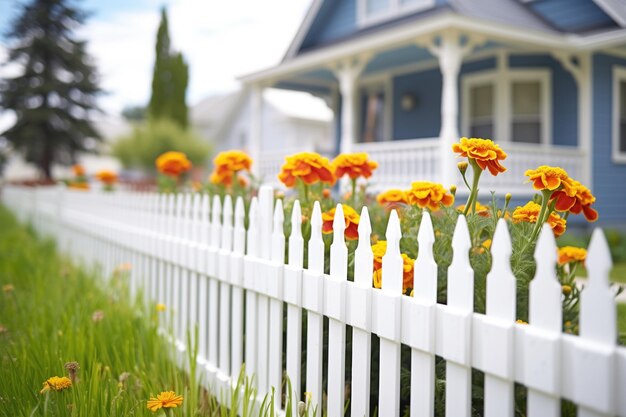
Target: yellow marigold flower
(569, 254)
(173, 163)
(78, 170)
(310, 167)
(485, 152)
(166, 399)
(379, 249)
(56, 384)
(7, 288)
(83, 186)
(355, 165)
(530, 213)
(481, 210)
(106, 176)
(393, 196)
(352, 221)
(487, 244)
(160, 307)
(428, 194)
(567, 290)
(551, 178)
(227, 165)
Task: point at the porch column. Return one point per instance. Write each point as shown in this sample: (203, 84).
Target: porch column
(347, 73)
(254, 135)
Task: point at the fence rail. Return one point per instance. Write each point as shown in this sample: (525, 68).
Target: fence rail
(195, 255)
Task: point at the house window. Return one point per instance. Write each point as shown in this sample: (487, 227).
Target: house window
(373, 128)
(513, 106)
(619, 115)
(375, 11)
(481, 114)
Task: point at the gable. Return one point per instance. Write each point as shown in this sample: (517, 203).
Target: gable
(334, 20)
(572, 15)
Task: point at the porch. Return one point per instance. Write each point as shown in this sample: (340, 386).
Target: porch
(405, 100)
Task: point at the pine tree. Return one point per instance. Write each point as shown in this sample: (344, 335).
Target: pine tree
(55, 93)
(169, 80)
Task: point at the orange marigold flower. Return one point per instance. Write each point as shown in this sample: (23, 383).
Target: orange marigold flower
(84, 186)
(393, 196)
(173, 163)
(355, 165)
(485, 152)
(56, 384)
(580, 202)
(227, 164)
(326, 193)
(310, 167)
(106, 176)
(428, 194)
(530, 213)
(166, 399)
(379, 249)
(552, 178)
(481, 210)
(78, 170)
(569, 254)
(351, 217)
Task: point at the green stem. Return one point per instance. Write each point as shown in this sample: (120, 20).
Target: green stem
(471, 199)
(353, 195)
(545, 196)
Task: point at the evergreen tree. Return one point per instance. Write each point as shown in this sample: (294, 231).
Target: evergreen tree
(169, 80)
(55, 93)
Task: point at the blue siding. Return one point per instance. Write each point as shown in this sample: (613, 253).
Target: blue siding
(564, 96)
(609, 179)
(335, 20)
(425, 119)
(572, 15)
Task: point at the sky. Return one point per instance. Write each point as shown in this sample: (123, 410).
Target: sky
(220, 40)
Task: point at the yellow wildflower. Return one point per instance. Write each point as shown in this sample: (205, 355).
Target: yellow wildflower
(166, 399)
(56, 384)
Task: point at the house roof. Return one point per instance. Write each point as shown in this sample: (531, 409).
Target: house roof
(535, 15)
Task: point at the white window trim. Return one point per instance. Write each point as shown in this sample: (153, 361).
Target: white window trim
(619, 75)
(502, 81)
(396, 9)
(379, 83)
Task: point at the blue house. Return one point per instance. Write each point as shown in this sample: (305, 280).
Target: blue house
(546, 79)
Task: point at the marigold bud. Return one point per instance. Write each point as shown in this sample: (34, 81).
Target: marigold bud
(567, 290)
(326, 193)
(462, 167)
(507, 198)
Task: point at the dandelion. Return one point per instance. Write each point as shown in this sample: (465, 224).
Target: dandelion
(351, 217)
(160, 307)
(166, 399)
(97, 316)
(430, 195)
(72, 369)
(8, 288)
(56, 384)
(569, 254)
(173, 164)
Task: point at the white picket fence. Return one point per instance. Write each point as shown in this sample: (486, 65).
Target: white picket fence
(194, 255)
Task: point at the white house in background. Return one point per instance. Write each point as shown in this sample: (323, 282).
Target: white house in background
(291, 122)
(109, 126)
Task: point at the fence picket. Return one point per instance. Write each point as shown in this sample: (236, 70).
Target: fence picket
(456, 320)
(360, 316)
(388, 325)
(225, 286)
(497, 352)
(249, 278)
(313, 301)
(293, 296)
(203, 285)
(216, 229)
(275, 290)
(335, 310)
(236, 270)
(543, 333)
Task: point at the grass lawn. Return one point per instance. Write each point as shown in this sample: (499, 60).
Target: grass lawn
(618, 273)
(52, 313)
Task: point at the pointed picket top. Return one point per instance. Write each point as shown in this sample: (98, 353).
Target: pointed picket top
(239, 232)
(544, 306)
(425, 267)
(338, 249)
(597, 302)
(460, 272)
(296, 242)
(227, 224)
(363, 256)
(216, 225)
(253, 229)
(392, 264)
(501, 283)
(278, 234)
(316, 243)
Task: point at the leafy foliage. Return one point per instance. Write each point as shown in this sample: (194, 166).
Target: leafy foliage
(54, 94)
